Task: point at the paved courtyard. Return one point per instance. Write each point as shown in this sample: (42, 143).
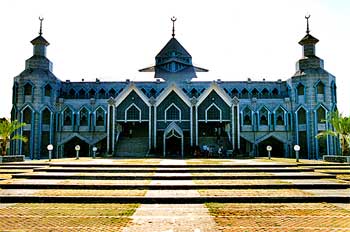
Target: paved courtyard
(174, 195)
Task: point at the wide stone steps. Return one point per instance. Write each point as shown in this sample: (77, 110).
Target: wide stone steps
(252, 183)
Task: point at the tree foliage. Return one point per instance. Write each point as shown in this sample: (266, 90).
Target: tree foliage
(7, 133)
(341, 130)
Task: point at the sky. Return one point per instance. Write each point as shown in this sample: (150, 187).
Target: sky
(234, 39)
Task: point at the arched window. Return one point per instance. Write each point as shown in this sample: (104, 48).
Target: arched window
(152, 93)
(255, 93)
(301, 116)
(320, 88)
(194, 93)
(234, 93)
(27, 115)
(102, 93)
(172, 113)
(72, 93)
(247, 117)
(321, 115)
(300, 90)
(45, 116)
(213, 113)
(47, 90)
(112, 93)
(28, 89)
(82, 94)
(100, 117)
(133, 113)
(265, 93)
(334, 92)
(275, 92)
(84, 115)
(245, 93)
(67, 117)
(92, 93)
(263, 117)
(279, 117)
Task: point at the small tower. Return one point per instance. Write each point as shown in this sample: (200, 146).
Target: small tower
(39, 60)
(309, 59)
(173, 62)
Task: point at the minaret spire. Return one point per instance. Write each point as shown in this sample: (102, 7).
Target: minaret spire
(41, 25)
(173, 19)
(307, 23)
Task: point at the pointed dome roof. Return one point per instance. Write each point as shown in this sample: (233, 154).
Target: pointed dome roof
(40, 41)
(308, 39)
(173, 45)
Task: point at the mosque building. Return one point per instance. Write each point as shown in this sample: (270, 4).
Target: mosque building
(174, 115)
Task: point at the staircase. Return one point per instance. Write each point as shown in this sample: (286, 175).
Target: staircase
(132, 147)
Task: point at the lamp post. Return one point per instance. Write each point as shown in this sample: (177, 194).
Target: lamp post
(296, 149)
(269, 149)
(77, 149)
(50, 148)
(94, 149)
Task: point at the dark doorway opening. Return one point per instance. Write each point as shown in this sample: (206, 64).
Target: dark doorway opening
(69, 148)
(173, 147)
(277, 147)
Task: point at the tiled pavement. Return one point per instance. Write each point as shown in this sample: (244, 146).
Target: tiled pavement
(241, 217)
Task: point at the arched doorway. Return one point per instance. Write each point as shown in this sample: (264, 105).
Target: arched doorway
(277, 147)
(173, 141)
(173, 145)
(69, 147)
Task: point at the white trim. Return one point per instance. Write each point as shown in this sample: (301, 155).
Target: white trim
(214, 86)
(155, 127)
(168, 90)
(206, 113)
(125, 93)
(238, 129)
(191, 126)
(180, 113)
(126, 114)
(113, 128)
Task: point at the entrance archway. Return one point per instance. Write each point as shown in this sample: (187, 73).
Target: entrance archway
(277, 147)
(69, 147)
(173, 141)
(173, 145)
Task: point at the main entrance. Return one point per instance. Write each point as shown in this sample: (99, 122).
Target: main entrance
(173, 141)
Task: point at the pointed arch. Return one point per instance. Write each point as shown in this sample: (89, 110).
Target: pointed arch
(244, 93)
(67, 116)
(301, 115)
(172, 113)
(321, 112)
(27, 113)
(213, 113)
(84, 116)
(247, 116)
(132, 113)
(28, 89)
(100, 116)
(214, 87)
(264, 116)
(168, 90)
(126, 91)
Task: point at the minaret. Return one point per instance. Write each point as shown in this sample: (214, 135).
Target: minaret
(39, 60)
(309, 60)
(308, 42)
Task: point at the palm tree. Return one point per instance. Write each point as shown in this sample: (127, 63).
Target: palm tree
(7, 129)
(341, 130)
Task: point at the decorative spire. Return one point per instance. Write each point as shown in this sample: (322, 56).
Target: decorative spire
(307, 23)
(173, 19)
(41, 25)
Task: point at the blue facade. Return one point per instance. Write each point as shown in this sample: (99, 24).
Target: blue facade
(173, 114)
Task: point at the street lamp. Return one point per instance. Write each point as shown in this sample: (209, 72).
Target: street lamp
(77, 149)
(50, 148)
(269, 149)
(94, 149)
(297, 149)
